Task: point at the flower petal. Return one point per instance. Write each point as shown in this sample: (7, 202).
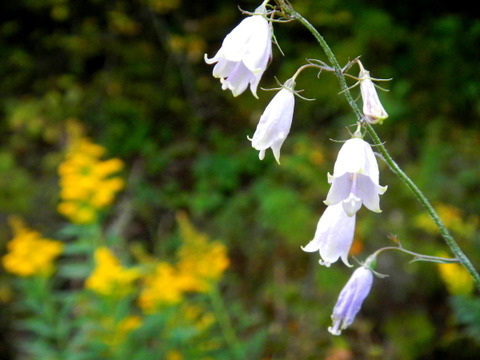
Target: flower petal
(244, 54)
(351, 299)
(339, 190)
(333, 236)
(275, 123)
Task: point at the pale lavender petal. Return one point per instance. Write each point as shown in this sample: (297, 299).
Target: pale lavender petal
(355, 178)
(275, 123)
(351, 299)
(224, 68)
(333, 236)
(340, 189)
(369, 192)
(244, 54)
(238, 80)
(356, 156)
(259, 46)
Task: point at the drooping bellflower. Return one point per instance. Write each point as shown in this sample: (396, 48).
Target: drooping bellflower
(275, 122)
(350, 299)
(334, 235)
(355, 178)
(244, 54)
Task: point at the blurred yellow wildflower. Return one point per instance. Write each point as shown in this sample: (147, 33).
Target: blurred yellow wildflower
(456, 278)
(452, 218)
(87, 183)
(109, 277)
(201, 262)
(163, 287)
(28, 253)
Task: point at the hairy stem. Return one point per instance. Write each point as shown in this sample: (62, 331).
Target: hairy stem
(450, 241)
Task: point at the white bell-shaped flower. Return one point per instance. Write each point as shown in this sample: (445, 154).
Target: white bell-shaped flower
(351, 299)
(355, 179)
(333, 237)
(244, 55)
(275, 122)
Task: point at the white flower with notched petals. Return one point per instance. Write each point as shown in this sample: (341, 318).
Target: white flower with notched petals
(333, 237)
(355, 178)
(372, 107)
(351, 299)
(244, 54)
(275, 122)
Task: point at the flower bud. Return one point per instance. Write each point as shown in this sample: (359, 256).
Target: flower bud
(350, 299)
(372, 107)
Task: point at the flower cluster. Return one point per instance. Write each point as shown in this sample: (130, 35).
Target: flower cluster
(88, 184)
(28, 253)
(201, 263)
(355, 182)
(109, 277)
(242, 60)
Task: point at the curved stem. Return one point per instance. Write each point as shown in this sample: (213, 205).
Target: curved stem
(449, 240)
(417, 256)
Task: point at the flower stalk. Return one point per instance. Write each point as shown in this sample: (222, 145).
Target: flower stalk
(416, 256)
(448, 238)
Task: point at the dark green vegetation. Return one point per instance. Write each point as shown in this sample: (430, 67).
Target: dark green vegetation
(133, 73)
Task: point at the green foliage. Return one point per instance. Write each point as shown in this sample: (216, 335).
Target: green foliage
(133, 73)
(467, 310)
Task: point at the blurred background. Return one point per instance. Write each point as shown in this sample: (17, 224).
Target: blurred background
(131, 75)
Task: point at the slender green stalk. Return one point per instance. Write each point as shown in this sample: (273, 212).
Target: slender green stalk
(416, 256)
(450, 241)
(225, 322)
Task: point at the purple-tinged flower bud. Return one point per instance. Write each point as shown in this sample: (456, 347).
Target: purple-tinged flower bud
(275, 122)
(350, 300)
(244, 55)
(372, 107)
(334, 235)
(355, 178)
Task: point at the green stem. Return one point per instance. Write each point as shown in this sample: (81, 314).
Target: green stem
(416, 256)
(454, 247)
(450, 241)
(225, 322)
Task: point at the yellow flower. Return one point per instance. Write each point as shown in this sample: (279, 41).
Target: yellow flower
(453, 219)
(28, 253)
(200, 261)
(161, 288)
(109, 277)
(456, 278)
(88, 184)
